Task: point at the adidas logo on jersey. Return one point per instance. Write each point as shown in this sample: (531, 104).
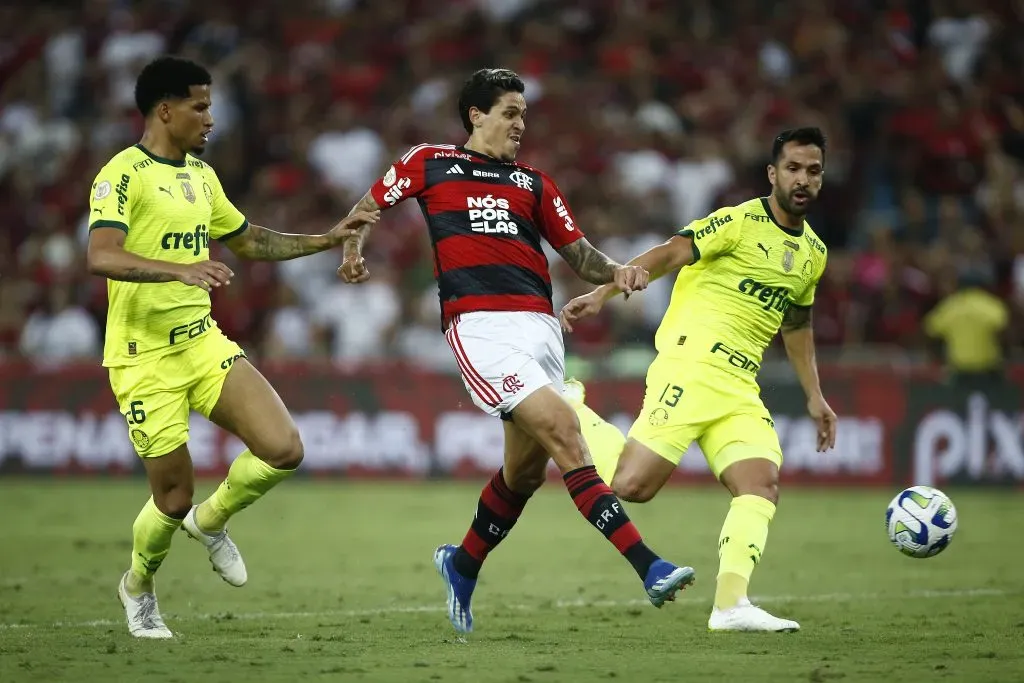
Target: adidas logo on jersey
(454, 170)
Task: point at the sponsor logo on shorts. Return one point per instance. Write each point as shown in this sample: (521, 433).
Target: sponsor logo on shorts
(189, 331)
(512, 384)
(133, 348)
(140, 439)
(228, 362)
(736, 358)
(658, 417)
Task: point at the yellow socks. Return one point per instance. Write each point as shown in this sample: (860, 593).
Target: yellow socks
(604, 440)
(152, 533)
(740, 546)
(248, 479)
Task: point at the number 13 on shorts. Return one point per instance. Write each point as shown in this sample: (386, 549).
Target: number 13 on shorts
(670, 395)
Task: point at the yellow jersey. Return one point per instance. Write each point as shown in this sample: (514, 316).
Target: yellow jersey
(970, 321)
(748, 270)
(169, 210)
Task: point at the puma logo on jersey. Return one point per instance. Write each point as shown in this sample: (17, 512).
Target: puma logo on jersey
(763, 248)
(167, 190)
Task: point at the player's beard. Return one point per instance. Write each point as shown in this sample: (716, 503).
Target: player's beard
(792, 209)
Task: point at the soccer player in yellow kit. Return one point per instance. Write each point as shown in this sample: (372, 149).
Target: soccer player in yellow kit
(747, 271)
(153, 211)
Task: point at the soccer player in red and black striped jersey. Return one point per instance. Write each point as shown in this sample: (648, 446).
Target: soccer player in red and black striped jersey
(487, 215)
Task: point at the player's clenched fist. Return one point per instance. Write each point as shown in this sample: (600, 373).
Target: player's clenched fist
(631, 279)
(351, 225)
(581, 307)
(353, 270)
(205, 274)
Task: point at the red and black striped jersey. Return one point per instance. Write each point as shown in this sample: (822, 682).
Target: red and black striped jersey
(486, 219)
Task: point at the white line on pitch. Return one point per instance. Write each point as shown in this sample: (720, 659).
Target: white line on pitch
(560, 604)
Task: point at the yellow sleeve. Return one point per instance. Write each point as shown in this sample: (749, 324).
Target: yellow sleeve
(806, 299)
(113, 194)
(998, 314)
(935, 321)
(226, 220)
(715, 235)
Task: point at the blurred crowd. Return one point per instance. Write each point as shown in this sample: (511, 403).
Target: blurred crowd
(648, 113)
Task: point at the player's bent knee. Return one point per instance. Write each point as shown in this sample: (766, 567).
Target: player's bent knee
(768, 491)
(632, 489)
(174, 502)
(284, 452)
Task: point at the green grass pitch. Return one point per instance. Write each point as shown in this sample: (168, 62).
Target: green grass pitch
(342, 587)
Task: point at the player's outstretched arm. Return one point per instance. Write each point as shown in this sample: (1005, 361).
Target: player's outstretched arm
(353, 267)
(107, 256)
(657, 261)
(594, 267)
(798, 337)
(665, 258)
(263, 244)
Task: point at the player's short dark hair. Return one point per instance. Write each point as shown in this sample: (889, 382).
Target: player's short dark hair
(484, 88)
(167, 78)
(801, 136)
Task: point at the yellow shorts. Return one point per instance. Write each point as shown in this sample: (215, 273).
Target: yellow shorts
(686, 402)
(156, 397)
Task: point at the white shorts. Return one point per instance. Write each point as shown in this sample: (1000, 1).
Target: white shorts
(505, 356)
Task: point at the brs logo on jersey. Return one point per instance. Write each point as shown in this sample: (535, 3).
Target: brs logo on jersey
(490, 216)
(713, 226)
(773, 298)
(195, 241)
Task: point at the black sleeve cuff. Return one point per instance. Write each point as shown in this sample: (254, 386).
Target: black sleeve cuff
(235, 233)
(689, 233)
(108, 224)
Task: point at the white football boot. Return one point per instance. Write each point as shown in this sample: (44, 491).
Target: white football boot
(143, 614)
(747, 617)
(574, 392)
(224, 555)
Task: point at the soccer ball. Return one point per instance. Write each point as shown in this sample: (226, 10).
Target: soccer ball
(921, 521)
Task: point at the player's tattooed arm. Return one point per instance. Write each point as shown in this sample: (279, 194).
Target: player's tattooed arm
(262, 244)
(588, 262)
(258, 243)
(796, 318)
(354, 244)
(106, 256)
